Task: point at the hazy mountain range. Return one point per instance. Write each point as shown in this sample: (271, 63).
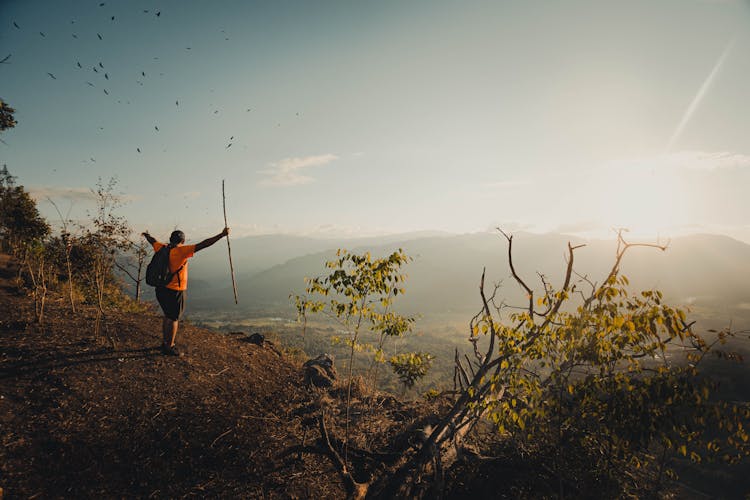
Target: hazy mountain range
(709, 273)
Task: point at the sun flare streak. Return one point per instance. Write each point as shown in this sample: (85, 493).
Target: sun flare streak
(699, 96)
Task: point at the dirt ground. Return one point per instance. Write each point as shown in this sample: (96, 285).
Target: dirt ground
(88, 417)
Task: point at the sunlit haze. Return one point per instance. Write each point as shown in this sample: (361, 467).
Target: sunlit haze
(344, 118)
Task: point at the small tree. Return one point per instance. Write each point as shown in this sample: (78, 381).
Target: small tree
(40, 273)
(132, 264)
(65, 244)
(411, 366)
(358, 295)
(103, 239)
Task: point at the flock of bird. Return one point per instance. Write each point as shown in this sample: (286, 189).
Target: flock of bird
(103, 73)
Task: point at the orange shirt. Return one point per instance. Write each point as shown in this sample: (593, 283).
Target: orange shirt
(177, 257)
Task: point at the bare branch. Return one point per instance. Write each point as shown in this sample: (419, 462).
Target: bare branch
(493, 330)
(529, 292)
(123, 269)
(622, 247)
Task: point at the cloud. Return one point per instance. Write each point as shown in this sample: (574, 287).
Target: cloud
(74, 194)
(700, 161)
(286, 172)
(62, 193)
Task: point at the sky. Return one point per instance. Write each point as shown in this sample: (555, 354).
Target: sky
(353, 118)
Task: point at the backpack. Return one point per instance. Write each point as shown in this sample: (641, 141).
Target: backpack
(157, 271)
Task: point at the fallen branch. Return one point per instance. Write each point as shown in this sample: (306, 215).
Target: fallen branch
(355, 489)
(220, 436)
(218, 373)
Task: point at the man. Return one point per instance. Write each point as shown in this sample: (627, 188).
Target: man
(172, 297)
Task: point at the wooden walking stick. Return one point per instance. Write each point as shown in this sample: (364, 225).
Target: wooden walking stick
(229, 248)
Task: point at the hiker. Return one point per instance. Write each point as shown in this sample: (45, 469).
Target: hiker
(172, 296)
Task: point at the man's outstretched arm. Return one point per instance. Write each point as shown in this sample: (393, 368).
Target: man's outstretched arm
(210, 241)
(149, 238)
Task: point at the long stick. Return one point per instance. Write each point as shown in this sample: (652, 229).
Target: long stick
(231, 267)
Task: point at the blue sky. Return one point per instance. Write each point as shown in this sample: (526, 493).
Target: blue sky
(356, 118)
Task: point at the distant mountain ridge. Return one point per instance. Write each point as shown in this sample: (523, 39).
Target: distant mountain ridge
(703, 271)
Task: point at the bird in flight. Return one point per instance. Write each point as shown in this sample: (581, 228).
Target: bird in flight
(138, 149)
(106, 76)
(51, 75)
(95, 70)
(5, 60)
(105, 91)
(177, 103)
(75, 36)
(143, 73)
(78, 63)
(101, 65)
(228, 146)
(113, 18)
(90, 84)
(16, 25)
(100, 37)
(157, 128)
(43, 35)
(158, 13)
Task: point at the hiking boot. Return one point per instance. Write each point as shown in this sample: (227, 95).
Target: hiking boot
(170, 351)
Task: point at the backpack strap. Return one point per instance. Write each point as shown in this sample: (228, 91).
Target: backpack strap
(177, 272)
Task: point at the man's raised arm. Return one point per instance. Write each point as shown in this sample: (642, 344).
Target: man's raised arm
(149, 238)
(210, 241)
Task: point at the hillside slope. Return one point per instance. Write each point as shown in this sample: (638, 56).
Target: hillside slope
(82, 417)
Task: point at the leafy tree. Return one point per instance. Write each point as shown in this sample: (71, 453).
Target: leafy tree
(6, 116)
(602, 384)
(20, 222)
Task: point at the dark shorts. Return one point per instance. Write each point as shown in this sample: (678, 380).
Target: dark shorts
(172, 302)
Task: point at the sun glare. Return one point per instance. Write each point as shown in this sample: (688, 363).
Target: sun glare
(648, 199)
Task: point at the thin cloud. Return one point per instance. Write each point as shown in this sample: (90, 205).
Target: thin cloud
(62, 193)
(698, 160)
(286, 172)
(74, 194)
(702, 161)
